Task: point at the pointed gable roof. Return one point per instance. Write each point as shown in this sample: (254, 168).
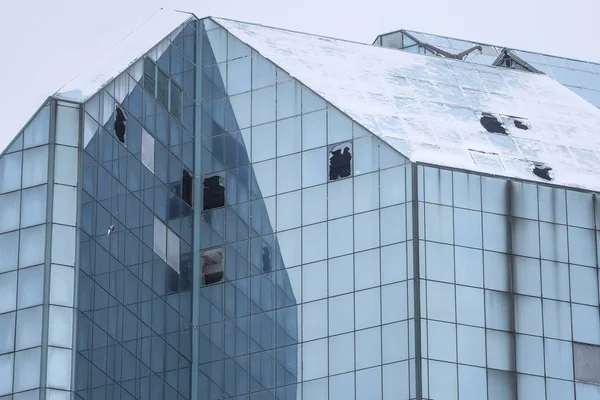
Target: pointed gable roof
(124, 54)
(433, 110)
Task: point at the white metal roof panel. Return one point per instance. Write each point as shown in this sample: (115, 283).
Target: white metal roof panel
(428, 108)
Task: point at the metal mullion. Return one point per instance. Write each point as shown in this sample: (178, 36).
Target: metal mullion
(48, 248)
(416, 282)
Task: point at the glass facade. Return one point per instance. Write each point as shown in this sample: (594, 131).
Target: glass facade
(508, 288)
(38, 197)
(135, 275)
(581, 77)
(311, 320)
(207, 227)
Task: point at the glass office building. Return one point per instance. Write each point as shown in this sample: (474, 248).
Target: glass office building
(221, 210)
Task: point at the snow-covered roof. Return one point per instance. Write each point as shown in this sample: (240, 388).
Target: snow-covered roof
(125, 53)
(429, 108)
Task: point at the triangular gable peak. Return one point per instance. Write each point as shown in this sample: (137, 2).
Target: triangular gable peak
(143, 39)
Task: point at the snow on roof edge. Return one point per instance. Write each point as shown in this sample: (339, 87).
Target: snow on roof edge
(141, 40)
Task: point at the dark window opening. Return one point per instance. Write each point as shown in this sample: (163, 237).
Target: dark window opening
(120, 124)
(492, 124)
(187, 187)
(212, 266)
(521, 125)
(543, 171)
(266, 259)
(214, 192)
(340, 161)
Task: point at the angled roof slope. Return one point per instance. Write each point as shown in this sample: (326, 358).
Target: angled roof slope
(429, 108)
(125, 53)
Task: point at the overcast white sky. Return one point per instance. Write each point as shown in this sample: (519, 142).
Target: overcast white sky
(46, 43)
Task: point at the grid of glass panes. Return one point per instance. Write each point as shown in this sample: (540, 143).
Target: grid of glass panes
(581, 77)
(403, 41)
(135, 309)
(23, 194)
(501, 326)
(327, 321)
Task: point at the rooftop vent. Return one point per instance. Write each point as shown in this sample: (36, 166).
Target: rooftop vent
(492, 124)
(543, 171)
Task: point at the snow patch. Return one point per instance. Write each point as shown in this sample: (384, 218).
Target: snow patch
(428, 107)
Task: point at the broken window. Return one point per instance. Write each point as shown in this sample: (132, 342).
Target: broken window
(340, 161)
(212, 266)
(266, 259)
(120, 123)
(214, 192)
(521, 125)
(187, 187)
(516, 124)
(543, 171)
(492, 124)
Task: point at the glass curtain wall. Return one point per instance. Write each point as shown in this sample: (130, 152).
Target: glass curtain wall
(509, 289)
(313, 297)
(135, 278)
